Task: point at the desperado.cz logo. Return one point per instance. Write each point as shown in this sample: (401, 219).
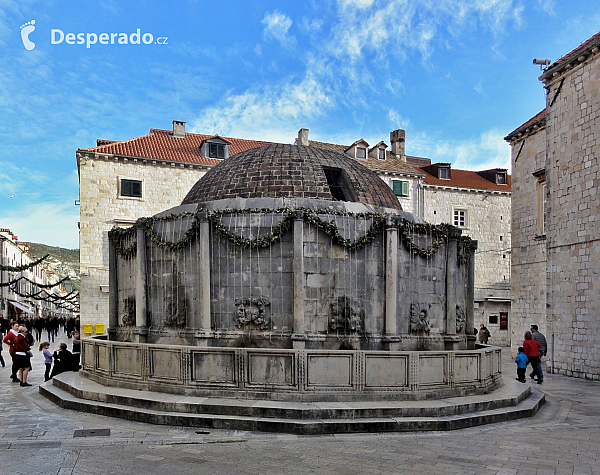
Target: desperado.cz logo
(58, 36)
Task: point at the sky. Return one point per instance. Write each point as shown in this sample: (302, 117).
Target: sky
(457, 75)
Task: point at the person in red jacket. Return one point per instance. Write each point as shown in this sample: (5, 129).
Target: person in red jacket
(22, 355)
(532, 351)
(9, 339)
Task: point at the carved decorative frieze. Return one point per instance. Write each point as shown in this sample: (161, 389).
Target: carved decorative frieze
(252, 311)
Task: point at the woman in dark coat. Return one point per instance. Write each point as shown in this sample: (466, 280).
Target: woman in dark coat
(62, 360)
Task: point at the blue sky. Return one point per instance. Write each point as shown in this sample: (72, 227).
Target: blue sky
(457, 75)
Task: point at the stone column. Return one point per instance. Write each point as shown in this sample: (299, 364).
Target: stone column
(299, 333)
(451, 338)
(470, 310)
(141, 323)
(204, 279)
(391, 283)
(113, 295)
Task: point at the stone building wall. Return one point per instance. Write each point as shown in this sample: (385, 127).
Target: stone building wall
(573, 230)
(411, 203)
(164, 186)
(488, 222)
(528, 270)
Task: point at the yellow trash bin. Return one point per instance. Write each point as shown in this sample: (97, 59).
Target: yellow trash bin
(99, 328)
(87, 328)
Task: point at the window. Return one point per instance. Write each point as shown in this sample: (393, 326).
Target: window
(339, 185)
(216, 150)
(361, 152)
(443, 173)
(493, 319)
(400, 187)
(460, 218)
(501, 178)
(542, 190)
(131, 188)
(381, 154)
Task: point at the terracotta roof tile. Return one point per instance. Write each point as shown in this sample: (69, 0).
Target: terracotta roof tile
(539, 118)
(391, 163)
(161, 145)
(467, 179)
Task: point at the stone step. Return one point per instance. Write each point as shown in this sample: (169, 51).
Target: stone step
(70, 391)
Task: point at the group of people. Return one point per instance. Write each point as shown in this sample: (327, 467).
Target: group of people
(39, 325)
(533, 349)
(20, 342)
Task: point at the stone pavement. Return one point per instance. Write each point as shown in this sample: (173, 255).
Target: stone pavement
(38, 437)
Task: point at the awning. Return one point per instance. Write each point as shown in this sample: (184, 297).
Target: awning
(22, 306)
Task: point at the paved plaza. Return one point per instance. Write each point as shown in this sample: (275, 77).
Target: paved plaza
(38, 437)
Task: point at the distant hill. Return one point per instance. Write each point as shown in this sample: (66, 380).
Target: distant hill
(65, 262)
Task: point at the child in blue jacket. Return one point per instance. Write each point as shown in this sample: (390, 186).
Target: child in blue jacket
(521, 361)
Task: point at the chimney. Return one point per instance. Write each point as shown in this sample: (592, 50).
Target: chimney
(178, 129)
(397, 139)
(302, 137)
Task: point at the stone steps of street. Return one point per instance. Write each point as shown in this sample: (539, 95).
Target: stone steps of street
(511, 401)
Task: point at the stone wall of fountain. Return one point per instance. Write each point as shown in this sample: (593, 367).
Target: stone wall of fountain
(291, 273)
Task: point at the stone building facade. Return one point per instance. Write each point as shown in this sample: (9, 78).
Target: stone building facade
(17, 299)
(480, 207)
(556, 205)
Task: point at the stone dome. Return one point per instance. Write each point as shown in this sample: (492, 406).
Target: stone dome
(293, 171)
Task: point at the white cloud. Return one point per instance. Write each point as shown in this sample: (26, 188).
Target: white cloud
(277, 27)
(54, 224)
(258, 50)
(272, 112)
(489, 150)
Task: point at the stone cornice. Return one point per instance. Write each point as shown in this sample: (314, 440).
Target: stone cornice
(469, 190)
(573, 59)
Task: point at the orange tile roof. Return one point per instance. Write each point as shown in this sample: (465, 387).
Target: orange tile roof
(161, 145)
(539, 118)
(467, 179)
(390, 164)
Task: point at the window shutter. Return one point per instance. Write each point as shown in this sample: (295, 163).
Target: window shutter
(136, 189)
(404, 188)
(397, 187)
(125, 188)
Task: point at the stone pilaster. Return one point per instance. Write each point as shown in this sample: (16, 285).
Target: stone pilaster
(470, 310)
(204, 278)
(391, 283)
(299, 332)
(141, 322)
(451, 274)
(113, 296)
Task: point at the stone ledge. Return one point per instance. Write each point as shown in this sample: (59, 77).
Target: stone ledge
(512, 401)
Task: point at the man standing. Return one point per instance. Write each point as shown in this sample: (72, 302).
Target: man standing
(541, 339)
(10, 339)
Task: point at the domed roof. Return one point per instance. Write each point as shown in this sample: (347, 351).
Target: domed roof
(284, 171)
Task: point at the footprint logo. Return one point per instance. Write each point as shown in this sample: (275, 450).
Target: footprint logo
(25, 30)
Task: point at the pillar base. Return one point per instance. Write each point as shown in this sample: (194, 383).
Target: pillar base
(452, 342)
(299, 341)
(392, 342)
(140, 335)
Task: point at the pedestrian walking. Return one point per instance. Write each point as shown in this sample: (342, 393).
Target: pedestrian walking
(521, 361)
(541, 339)
(531, 348)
